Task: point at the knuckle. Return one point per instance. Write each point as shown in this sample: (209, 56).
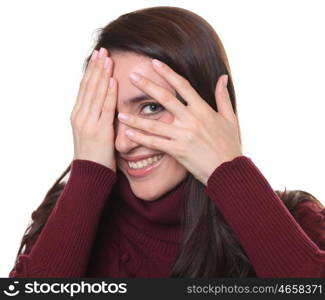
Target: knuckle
(194, 125)
(165, 97)
(182, 83)
(77, 123)
(88, 129)
(98, 64)
(72, 118)
(82, 83)
(91, 86)
(101, 91)
(106, 106)
(151, 142)
(192, 122)
(152, 127)
(104, 76)
(143, 81)
(188, 135)
(180, 150)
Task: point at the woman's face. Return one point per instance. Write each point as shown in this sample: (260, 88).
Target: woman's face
(156, 173)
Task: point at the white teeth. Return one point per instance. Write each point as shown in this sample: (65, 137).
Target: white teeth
(143, 163)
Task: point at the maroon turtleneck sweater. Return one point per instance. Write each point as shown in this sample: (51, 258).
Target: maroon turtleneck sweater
(99, 228)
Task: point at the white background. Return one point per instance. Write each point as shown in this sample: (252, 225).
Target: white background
(276, 53)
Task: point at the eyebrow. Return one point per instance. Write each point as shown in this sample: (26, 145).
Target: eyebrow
(137, 99)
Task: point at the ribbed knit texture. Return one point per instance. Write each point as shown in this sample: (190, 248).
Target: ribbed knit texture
(64, 244)
(99, 228)
(275, 243)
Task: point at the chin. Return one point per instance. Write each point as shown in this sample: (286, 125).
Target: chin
(153, 190)
(147, 194)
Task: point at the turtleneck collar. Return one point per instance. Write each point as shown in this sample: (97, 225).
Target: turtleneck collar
(160, 218)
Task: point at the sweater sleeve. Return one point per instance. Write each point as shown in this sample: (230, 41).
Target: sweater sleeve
(273, 240)
(63, 246)
(311, 218)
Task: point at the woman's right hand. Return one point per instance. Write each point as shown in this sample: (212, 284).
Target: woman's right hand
(92, 117)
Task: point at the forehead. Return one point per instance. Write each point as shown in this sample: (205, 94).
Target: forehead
(127, 62)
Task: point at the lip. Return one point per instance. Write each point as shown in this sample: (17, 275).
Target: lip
(143, 171)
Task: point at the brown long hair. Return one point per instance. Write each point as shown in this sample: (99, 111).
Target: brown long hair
(191, 47)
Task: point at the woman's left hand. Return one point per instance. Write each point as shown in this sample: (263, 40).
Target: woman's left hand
(199, 138)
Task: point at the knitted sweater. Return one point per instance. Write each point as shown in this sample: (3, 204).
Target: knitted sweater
(99, 228)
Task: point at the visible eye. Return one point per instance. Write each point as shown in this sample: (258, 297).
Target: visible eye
(151, 108)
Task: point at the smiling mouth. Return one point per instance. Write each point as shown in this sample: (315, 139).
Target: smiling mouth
(141, 164)
(143, 167)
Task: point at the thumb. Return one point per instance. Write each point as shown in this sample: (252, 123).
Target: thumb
(222, 97)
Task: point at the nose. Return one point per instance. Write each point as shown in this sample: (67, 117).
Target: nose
(122, 143)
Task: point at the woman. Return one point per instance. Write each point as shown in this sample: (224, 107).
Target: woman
(163, 189)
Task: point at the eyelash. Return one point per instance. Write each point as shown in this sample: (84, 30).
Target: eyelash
(155, 104)
(144, 105)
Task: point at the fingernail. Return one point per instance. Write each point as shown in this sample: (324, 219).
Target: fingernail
(225, 81)
(157, 63)
(129, 132)
(101, 52)
(111, 82)
(94, 55)
(135, 76)
(122, 116)
(106, 62)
